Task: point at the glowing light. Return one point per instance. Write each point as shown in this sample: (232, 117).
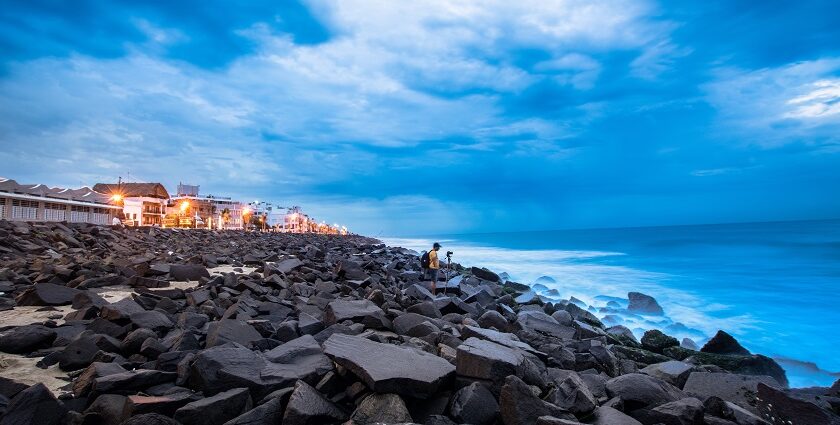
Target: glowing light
(117, 197)
(184, 206)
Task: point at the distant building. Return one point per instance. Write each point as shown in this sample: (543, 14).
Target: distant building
(37, 202)
(205, 211)
(144, 204)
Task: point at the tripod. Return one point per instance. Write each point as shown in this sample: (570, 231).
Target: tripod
(446, 273)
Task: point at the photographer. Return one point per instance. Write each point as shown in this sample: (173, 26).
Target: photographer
(434, 266)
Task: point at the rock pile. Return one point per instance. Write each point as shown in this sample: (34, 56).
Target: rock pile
(330, 329)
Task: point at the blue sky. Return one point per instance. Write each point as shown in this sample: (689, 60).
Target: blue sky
(410, 118)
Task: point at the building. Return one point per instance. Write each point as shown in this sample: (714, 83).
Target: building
(37, 202)
(205, 211)
(144, 204)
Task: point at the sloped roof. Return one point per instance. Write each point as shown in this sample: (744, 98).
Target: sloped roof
(130, 190)
(84, 194)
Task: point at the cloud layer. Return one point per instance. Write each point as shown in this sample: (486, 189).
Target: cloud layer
(406, 118)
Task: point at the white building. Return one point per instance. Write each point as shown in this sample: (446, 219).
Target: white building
(144, 204)
(41, 203)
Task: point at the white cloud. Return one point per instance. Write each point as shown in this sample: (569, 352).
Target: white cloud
(822, 101)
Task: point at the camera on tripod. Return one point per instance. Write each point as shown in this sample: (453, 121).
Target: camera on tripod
(449, 254)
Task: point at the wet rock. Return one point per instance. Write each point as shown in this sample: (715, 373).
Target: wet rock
(689, 344)
(537, 321)
(739, 389)
(519, 406)
(215, 410)
(474, 404)
(606, 415)
(485, 274)
(309, 407)
(638, 390)
(300, 358)
(230, 330)
(778, 407)
(381, 408)
(746, 365)
(493, 319)
(644, 304)
(723, 343)
(24, 339)
(47, 294)
(562, 317)
(394, 369)
(656, 341)
(488, 360)
(34, 405)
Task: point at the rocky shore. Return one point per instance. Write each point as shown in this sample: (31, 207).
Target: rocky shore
(159, 326)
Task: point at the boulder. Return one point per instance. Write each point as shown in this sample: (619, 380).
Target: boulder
(485, 274)
(638, 390)
(268, 413)
(165, 404)
(573, 395)
(747, 365)
(34, 405)
(487, 360)
(231, 330)
(187, 272)
(152, 319)
(106, 409)
(309, 407)
(493, 319)
(381, 408)
(537, 321)
(778, 407)
(47, 294)
(299, 358)
(25, 339)
(474, 404)
(673, 372)
(362, 311)
(131, 382)
(606, 415)
(686, 411)
(656, 341)
(228, 366)
(150, 419)
(723, 343)
(215, 410)
(643, 304)
(393, 369)
(83, 382)
(563, 317)
(283, 267)
(519, 406)
(738, 389)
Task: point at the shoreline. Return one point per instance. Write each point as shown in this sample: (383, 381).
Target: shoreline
(305, 308)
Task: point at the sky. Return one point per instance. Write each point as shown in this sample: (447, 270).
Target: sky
(401, 118)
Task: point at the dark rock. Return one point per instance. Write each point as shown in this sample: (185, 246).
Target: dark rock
(363, 311)
(83, 382)
(606, 415)
(34, 405)
(745, 365)
(165, 404)
(230, 330)
(638, 390)
(778, 407)
(300, 358)
(519, 406)
(537, 321)
(131, 381)
(185, 272)
(150, 419)
(644, 304)
(562, 317)
(106, 409)
(381, 408)
(122, 309)
(47, 294)
(132, 342)
(656, 341)
(686, 411)
(309, 407)
(723, 343)
(573, 395)
(493, 319)
(485, 274)
(283, 267)
(268, 413)
(228, 366)
(488, 360)
(153, 320)
(474, 404)
(215, 410)
(9, 387)
(393, 369)
(425, 308)
(673, 372)
(739, 389)
(24, 339)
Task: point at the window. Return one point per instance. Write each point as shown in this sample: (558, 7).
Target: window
(24, 210)
(2, 207)
(79, 214)
(54, 211)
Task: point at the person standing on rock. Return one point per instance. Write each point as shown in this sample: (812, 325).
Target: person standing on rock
(434, 265)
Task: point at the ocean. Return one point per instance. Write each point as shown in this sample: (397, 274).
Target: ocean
(774, 286)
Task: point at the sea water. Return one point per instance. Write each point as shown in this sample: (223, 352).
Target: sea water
(774, 286)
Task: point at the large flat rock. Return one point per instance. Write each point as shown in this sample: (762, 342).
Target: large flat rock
(387, 368)
(738, 389)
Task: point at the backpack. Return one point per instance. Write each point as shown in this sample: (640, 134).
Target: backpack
(424, 260)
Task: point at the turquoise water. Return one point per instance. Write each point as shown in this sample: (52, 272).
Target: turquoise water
(774, 286)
